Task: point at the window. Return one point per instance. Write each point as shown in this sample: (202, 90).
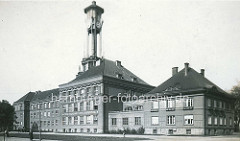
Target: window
(81, 106)
(155, 120)
(81, 120)
(70, 108)
(230, 121)
(170, 103)
(125, 121)
(154, 131)
(220, 121)
(48, 114)
(63, 120)
(75, 107)
(170, 120)
(114, 121)
(56, 122)
(45, 114)
(224, 121)
(88, 105)
(64, 107)
(220, 104)
(209, 120)
(95, 90)
(95, 119)
(215, 121)
(88, 91)
(188, 119)
(89, 119)
(189, 102)
(209, 102)
(215, 104)
(45, 105)
(75, 120)
(69, 120)
(95, 130)
(155, 105)
(137, 120)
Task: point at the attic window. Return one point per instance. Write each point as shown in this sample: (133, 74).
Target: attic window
(134, 79)
(120, 76)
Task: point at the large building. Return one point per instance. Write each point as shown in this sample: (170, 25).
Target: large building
(83, 104)
(186, 103)
(97, 100)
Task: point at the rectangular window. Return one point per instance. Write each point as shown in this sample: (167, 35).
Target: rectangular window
(81, 120)
(220, 121)
(76, 120)
(220, 104)
(189, 102)
(64, 107)
(125, 121)
(137, 120)
(209, 102)
(70, 108)
(88, 91)
(56, 122)
(95, 119)
(224, 121)
(230, 121)
(155, 120)
(170, 103)
(95, 90)
(155, 105)
(215, 121)
(81, 106)
(48, 114)
(188, 119)
(88, 105)
(114, 121)
(215, 103)
(75, 107)
(64, 121)
(89, 120)
(170, 120)
(69, 120)
(209, 120)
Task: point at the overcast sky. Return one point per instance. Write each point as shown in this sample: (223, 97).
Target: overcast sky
(41, 43)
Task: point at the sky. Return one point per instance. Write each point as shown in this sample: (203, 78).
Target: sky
(42, 42)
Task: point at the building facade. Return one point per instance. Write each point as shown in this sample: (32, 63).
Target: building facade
(187, 103)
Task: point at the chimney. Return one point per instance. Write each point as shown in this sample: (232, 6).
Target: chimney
(186, 68)
(118, 63)
(174, 70)
(202, 72)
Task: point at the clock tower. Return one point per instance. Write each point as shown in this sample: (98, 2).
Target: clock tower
(93, 50)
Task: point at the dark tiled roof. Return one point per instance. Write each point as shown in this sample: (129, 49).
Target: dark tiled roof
(110, 69)
(179, 81)
(27, 97)
(40, 95)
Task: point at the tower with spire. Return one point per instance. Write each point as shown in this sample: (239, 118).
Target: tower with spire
(93, 50)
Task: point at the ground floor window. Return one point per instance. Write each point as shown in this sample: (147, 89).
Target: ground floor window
(188, 131)
(125, 121)
(215, 121)
(88, 130)
(114, 121)
(81, 130)
(137, 120)
(154, 131)
(170, 131)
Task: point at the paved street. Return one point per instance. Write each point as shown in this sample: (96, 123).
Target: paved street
(119, 137)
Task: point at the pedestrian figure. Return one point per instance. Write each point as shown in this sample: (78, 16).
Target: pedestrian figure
(124, 134)
(31, 135)
(4, 135)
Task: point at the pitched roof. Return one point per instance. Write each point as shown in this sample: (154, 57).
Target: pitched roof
(27, 97)
(179, 81)
(110, 69)
(40, 95)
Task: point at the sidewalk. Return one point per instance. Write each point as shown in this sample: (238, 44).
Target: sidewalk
(22, 139)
